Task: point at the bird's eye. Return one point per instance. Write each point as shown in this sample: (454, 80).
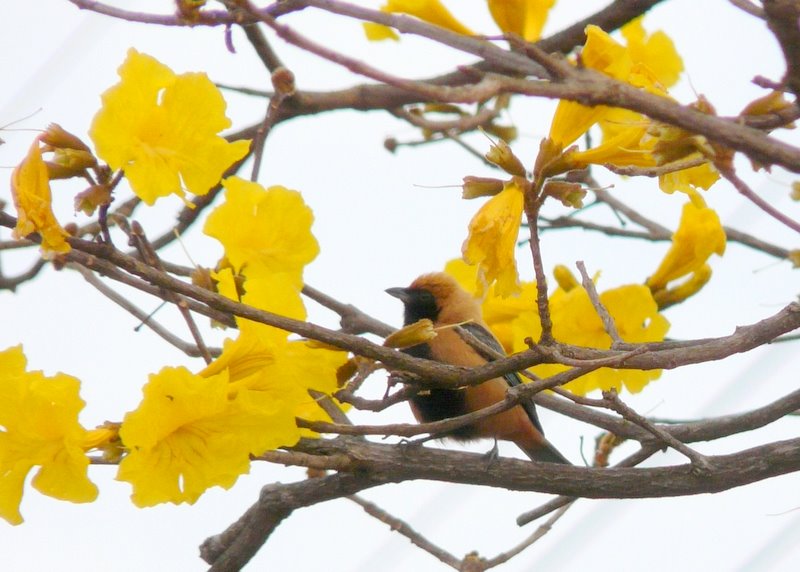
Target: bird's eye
(422, 305)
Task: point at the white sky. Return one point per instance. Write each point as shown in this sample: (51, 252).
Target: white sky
(378, 227)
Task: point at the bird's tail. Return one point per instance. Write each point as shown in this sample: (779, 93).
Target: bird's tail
(544, 452)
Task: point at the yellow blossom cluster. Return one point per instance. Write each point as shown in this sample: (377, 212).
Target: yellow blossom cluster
(649, 63)
(194, 431)
(39, 428)
(191, 431)
(159, 129)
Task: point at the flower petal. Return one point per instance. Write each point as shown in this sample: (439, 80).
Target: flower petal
(492, 239)
(30, 189)
(162, 130)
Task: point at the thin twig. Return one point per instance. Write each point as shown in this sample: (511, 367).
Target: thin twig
(326, 403)
(143, 317)
(485, 115)
(634, 171)
(402, 527)
(150, 257)
(11, 282)
(749, 7)
(730, 174)
(543, 529)
(353, 320)
(439, 428)
(700, 463)
(563, 500)
(602, 311)
(364, 368)
(542, 302)
(633, 215)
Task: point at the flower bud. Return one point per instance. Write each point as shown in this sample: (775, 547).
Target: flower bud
(347, 371)
(390, 144)
(56, 171)
(794, 258)
(201, 277)
(190, 9)
(795, 194)
(89, 200)
(74, 160)
(667, 297)
(570, 194)
(501, 155)
(283, 82)
(504, 132)
(58, 138)
(564, 277)
(774, 102)
(474, 187)
(549, 152)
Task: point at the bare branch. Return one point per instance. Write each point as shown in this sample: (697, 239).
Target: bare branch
(749, 7)
(234, 547)
(608, 321)
(402, 527)
(543, 529)
(700, 462)
(143, 317)
(748, 193)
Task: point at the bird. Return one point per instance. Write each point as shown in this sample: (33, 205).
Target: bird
(438, 297)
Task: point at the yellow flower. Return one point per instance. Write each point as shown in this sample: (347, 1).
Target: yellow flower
(431, 11)
(162, 130)
(689, 287)
(636, 316)
(656, 51)
(601, 53)
(670, 144)
(266, 367)
(191, 433)
(575, 321)
(267, 238)
(263, 230)
(624, 149)
(524, 18)
(649, 64)
(105, 438)
(30, 188)
(492, 239)
(304, 366)
(268, 370)
(687, 180)
(39, 427)
(699, 235)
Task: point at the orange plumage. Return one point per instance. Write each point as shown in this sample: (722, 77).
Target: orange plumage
(438, 297)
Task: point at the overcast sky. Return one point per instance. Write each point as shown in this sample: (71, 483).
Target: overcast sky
(382, 219)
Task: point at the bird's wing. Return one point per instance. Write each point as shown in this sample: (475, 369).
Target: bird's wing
(485, 337)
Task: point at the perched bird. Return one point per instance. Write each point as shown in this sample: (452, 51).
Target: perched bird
(439, 298)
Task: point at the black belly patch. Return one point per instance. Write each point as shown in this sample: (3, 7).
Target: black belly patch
(438, 404)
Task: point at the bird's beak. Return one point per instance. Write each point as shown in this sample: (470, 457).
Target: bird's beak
(401, 294)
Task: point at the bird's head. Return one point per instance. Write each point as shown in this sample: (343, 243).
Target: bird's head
(438, 297)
